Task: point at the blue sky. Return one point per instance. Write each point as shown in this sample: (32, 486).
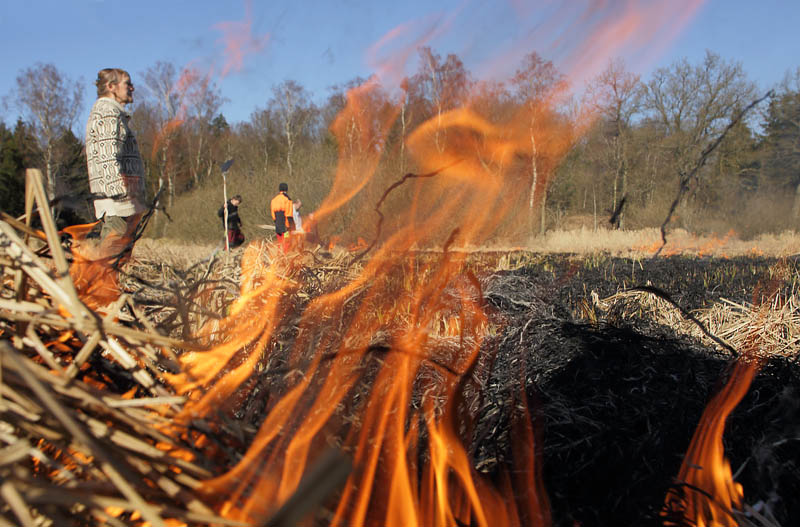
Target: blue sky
(322, 43)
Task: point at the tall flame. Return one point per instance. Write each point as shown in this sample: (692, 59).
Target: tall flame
(706, 494)
(389, 487)
(383, 368)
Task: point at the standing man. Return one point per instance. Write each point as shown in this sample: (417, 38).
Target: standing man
(282, 214)
(116, 170)
(235, 235)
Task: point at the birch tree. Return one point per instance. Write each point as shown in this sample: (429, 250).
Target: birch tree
(291, 105)
(539, 87)
(202, 102)
(160, 81)
(50, 102)
(437, 87)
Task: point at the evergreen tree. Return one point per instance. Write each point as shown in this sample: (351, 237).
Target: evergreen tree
(28, 146)
(781, 160)
(74, 205)
(730, 177)
(12, 173)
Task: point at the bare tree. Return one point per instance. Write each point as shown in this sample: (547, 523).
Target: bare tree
(161, 81)
(439, 86)
(539, 88)
(404, 121)
(291, 105)
(615, 96)
(692, 104)
(50, 101)
(201, 102)
(267, 132)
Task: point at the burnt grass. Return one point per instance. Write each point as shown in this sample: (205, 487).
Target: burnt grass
(616, 402)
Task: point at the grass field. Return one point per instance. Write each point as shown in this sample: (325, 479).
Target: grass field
(585, 241)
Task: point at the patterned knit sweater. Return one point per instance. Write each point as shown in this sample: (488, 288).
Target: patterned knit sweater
(115, 167)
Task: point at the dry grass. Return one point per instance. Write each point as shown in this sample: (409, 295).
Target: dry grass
(771, 329)
(84, 410)
(645, 242)
(174, 252)
(582, 241)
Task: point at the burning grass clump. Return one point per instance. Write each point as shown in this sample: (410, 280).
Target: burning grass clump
(84, 409)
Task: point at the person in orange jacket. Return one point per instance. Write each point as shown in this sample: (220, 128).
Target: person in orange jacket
(282, 214)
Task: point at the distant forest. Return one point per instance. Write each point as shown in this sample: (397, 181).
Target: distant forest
(620, 146)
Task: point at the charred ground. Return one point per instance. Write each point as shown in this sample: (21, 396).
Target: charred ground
(615, 398)
(618, 399)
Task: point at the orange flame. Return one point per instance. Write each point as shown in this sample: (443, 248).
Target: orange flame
(95, 279)
(708, 492)
(378, 367)
(700, 246)
(271, 469)
(708, 495)
(391, 432)
(164, 135)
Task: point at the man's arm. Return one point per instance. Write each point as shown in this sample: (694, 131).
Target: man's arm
(289, 211)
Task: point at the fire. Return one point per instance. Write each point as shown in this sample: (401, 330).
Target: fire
(388, 488)
(379, 370)
(711, 245)
(707, 492)
(715, 244)
(239, 41)
(360, 245)
(92, 269)
(164, 136)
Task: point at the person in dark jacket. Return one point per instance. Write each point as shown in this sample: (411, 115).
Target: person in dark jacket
(235, 236)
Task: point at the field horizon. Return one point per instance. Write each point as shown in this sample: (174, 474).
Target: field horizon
(639, 243)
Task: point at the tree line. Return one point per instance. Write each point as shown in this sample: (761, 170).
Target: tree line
(616, 146)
